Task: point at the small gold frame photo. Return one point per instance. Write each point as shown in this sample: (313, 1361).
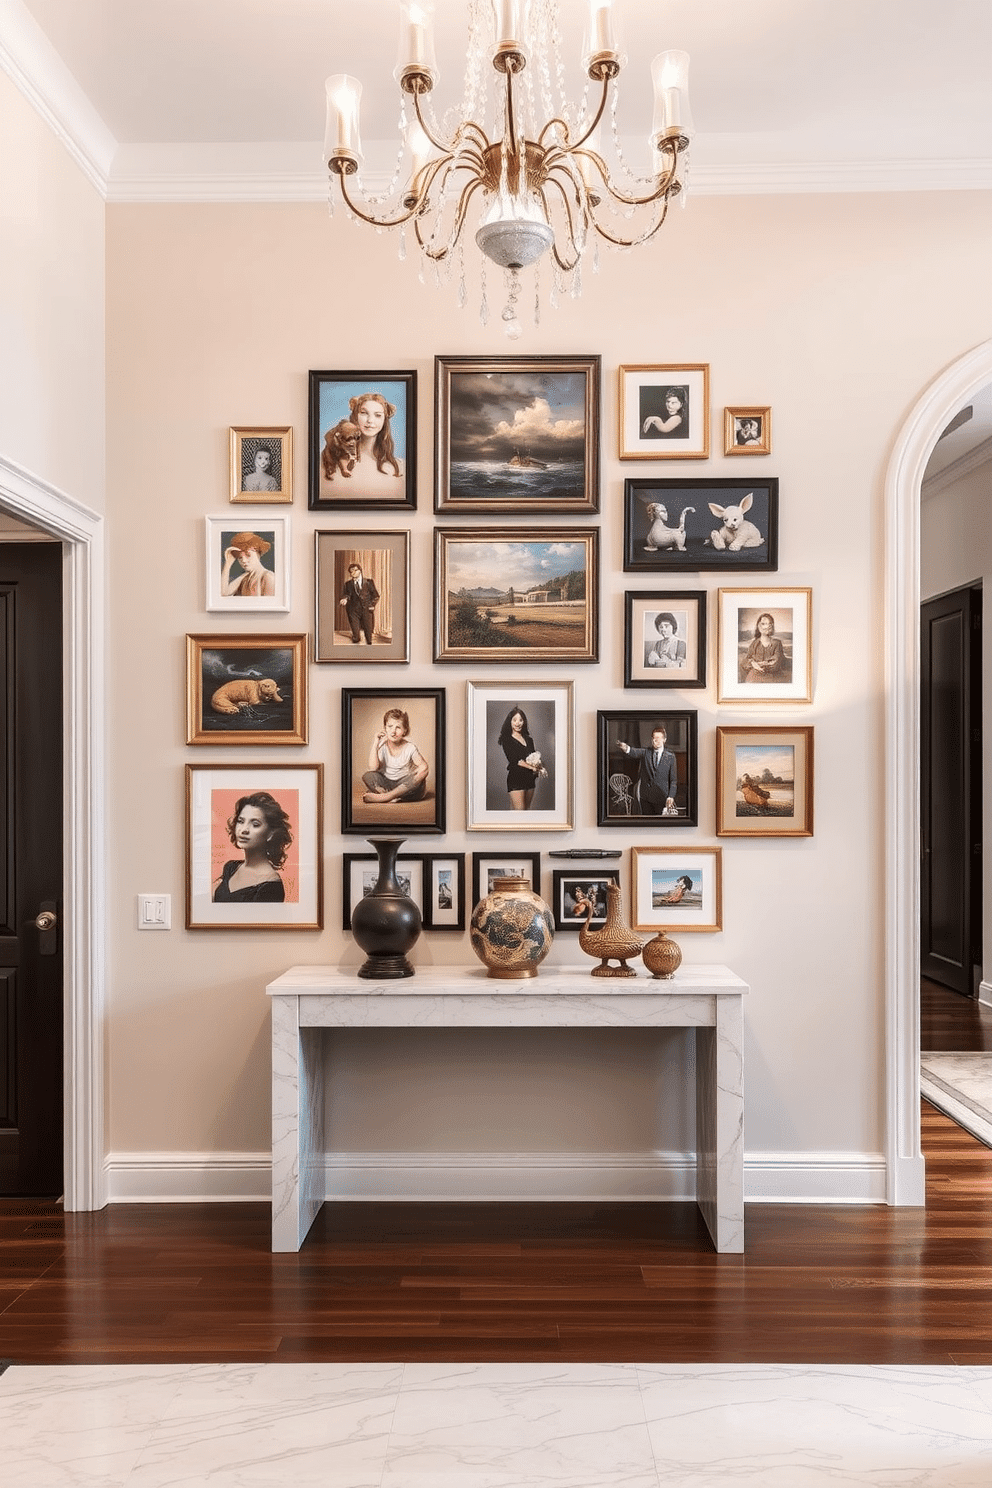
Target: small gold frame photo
(262, 465)
(747, 431)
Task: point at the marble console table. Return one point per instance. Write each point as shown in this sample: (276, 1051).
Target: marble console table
(309, 999)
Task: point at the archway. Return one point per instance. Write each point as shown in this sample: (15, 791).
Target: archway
(81, 533)
(904, 479)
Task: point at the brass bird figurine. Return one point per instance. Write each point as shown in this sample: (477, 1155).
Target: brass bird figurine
(613, 941)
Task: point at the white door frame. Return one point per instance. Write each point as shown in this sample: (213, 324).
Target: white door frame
(81, 532)
(904, 480)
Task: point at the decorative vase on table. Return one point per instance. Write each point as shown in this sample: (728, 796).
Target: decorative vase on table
(662, 956)
(386, 923)
(511, 929)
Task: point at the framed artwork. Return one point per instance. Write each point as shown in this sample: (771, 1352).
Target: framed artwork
(362, 441)
(392, 766)
(747, 431)
(247, 567)
(360, 874)
(516, 434)
(529, 597)
(519, 757)
(646, 768)
(689, 526)
(261, 465)
(677, 888)
(665, 412)
(362, 596)
(488, 867)
(254, 847)
(764, 782)
(246, 689)
(765, 646)
(664, 638)
(444, 894)
(573, 893)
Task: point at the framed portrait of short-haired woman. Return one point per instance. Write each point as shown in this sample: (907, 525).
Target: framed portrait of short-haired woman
(261, 465)
(248, 566)
(362, 596)
(664, 638)
(519, 757)
(362, 441)
(646, 768)
(765, 646)
(393, 764)
(665, 412)
(254, 847)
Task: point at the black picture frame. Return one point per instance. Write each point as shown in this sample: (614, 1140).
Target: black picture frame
(444, 880)
(516, 434)
(491, 864)
(678, 537)
(622, 794)
(362, 714)
(655, 656)
(349, 486)
(411, 874)
(566, 905)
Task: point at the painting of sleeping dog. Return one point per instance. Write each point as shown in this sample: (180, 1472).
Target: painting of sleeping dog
(698, 525)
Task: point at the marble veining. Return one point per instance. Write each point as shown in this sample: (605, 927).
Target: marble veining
(495, 1426)
(960, 1085)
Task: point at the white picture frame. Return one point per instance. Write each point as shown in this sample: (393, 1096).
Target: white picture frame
(266, 581)
(787, 646)
(548, 709)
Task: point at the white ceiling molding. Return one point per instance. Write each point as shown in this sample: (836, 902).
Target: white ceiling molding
(34, 66)
(958, 469)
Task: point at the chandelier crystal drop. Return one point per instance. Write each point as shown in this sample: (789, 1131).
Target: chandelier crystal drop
(534, 179)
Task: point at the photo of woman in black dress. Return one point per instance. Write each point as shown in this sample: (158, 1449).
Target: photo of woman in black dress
(260, 828)
(523, 762)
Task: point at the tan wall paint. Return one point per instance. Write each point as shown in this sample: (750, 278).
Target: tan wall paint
(51, 307)
(836, 312)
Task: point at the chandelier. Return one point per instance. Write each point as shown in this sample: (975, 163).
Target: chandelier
(516, 159)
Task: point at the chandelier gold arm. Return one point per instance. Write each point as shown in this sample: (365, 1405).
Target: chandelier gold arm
(562, 126)
(439, 255)
(450, 148)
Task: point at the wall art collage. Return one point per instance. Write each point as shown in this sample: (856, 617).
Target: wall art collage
(514, 437)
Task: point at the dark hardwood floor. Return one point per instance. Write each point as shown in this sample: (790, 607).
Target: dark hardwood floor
(949, 1021)
(594, 1282)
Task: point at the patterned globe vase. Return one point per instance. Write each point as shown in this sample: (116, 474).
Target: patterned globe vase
(386, 923)
(511, 929)
(662, 956)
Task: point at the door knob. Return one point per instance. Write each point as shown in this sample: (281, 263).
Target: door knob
(46, 920)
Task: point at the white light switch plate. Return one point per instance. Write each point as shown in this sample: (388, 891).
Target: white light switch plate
(154, 911)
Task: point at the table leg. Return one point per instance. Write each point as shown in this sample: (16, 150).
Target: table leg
(297, 1126)
(720, 1126)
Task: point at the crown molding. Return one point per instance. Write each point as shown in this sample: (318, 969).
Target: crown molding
(958, 469)
(36, 69)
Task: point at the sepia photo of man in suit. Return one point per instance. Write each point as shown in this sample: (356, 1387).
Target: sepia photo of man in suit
(360, 598)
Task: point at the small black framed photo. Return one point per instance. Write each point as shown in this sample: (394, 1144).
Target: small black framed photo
(444, 891)
(695, 526)
(362, 441)
(487, 867)
(579, 899)
(393, 763)
(664, 638)
(360, 874)
(516, 434)
(647, 768)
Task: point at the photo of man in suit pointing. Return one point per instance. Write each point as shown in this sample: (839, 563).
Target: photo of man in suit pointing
(360, 598)
(658, 773)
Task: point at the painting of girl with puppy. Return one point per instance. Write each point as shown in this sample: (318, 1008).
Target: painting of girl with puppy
(361, 440)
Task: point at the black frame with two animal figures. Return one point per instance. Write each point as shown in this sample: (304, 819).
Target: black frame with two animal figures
(741, 534)
(336, 480)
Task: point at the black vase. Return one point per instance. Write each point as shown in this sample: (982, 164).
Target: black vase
(386, 924)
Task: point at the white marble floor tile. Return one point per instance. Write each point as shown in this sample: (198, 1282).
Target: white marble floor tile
(79, 1426)
(271, 1425)
(960, 1085)
(801, 1427)
(505, 1426)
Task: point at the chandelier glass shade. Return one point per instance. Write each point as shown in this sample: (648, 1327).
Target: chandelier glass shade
(516, 160)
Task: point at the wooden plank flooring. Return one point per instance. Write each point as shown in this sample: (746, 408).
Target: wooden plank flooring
(524, 1282)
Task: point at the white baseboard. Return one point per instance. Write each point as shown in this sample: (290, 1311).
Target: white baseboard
(985, 993)
(666, 1177)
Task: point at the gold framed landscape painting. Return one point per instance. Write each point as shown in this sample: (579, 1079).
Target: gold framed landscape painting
(764, 781)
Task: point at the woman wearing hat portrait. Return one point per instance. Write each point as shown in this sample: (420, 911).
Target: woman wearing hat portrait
(378, 471)
(247, 550)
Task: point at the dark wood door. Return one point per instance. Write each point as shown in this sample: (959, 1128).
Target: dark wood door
(951, 788)
(31, 1017)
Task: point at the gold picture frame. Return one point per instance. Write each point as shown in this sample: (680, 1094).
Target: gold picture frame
(665, 411)
(677, 888)
(747, 431)
(246, 689)
(764, 781)
(762, 663)
(253, 480)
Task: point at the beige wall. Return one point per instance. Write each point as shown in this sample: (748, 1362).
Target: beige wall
(835, 311)
(51, 307)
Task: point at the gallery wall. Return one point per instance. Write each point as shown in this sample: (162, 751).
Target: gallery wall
(836, 312)
(51, 307)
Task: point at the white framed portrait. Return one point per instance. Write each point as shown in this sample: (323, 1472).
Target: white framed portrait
(247, 567)
(520, 757)
(765, 646)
